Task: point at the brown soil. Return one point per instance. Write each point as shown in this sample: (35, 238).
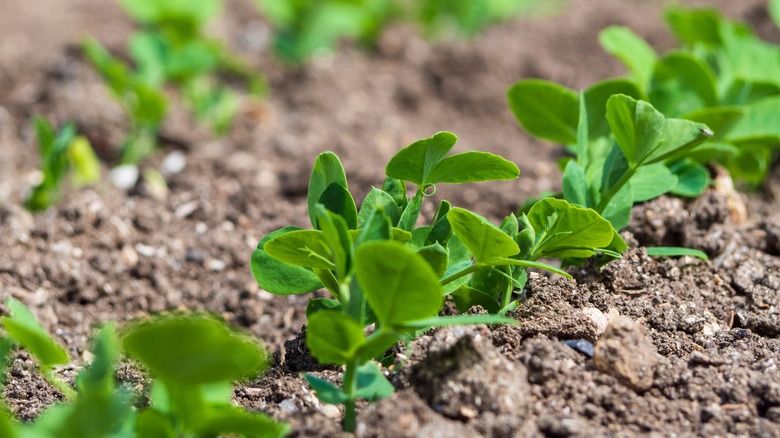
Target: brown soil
(682, 347)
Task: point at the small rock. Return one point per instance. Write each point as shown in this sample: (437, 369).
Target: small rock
(145, 250)
(773, 414)
(130, 256)
(125, 176)
(330, 411)
(216, 265)
(626, 352)
(288, 406)
(599, 319)
(186, 209)
(581, 346)
(174, 162)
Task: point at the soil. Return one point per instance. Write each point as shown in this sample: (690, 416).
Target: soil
(642, 346)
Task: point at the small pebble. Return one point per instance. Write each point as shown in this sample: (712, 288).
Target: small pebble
(216, 265)
(174, 162)
(124, 176)
(330, 411)
(581, 346)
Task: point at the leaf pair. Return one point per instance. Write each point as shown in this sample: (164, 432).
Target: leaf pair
(425, 163)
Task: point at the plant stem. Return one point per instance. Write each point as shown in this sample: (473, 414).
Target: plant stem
(67, 392)
(615, 189)
(507, 296)
(459, 274)
(350, 388)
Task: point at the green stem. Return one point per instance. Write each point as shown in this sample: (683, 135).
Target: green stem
(459, 274)
(507, 296)
(350, 388)
(615, 189)
(67, 392)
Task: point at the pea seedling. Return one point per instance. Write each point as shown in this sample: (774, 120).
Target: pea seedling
(61, 152)
(383, 269)
(723, 75)
(193, 359)
(626, 160)
(172, 49)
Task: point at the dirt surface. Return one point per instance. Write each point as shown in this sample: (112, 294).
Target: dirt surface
(659, 347)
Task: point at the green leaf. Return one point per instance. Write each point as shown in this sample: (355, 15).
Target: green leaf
(564, 230)
(636, 125)
(758, 123)
(618, 210)
(6, 425)
(411, 213)
(473, 167)
(95, 416)
(682, 83)
(326, 392)
(774, 12)
(154, 424)
(484, 240)
(219, 420)
(631, 50)
(378, 227)
(336, 235)
(372, 385)
(23, 328)
(306, 248)
(338, 200)
(436, 256)
(575, 185)
(440, 230)
(416, 162)
(278, 277)
(675, 251)
(98, 377)
(85, 164)
(652, 181)
(193, 349)
(333, 337)
(679, 136)
(318, 304)
(6, 347)
(445, 321)
(399, 284)
(695, 26)
(720, 119)
(327, 170)
(466, 297)
(378, 199)
(692, 178)
(545, 109)
(596, 103)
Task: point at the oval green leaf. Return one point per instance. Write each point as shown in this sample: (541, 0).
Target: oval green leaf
(399, 284)
(278, 277)
(194, 349)
(484, 240)
(545, 109)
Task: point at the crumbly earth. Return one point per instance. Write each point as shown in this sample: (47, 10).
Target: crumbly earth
(682, 347)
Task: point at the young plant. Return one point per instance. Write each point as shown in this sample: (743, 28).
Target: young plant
(383, 269)
(193, 357)
(304, 28)
(467, 17)
(172, 49)
(61, 152)
(723, 75)
(626, 150)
